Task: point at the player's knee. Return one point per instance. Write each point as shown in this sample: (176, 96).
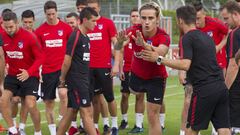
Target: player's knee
(109, 97)
(125, 96)
(62, 94)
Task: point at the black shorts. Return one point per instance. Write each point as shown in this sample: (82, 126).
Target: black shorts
(213, 107)
(154, 88)
(101, 82)
(234, 101)
(49, 85)
(125, 83)
(22, 89)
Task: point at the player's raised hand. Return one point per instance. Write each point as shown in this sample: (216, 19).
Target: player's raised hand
(139, 40)
(122, 39)
(23, 76)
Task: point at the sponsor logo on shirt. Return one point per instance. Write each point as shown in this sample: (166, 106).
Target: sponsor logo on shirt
(15, 54)
(100, 26)
(54, 43)
(130, 45)
(86, 56)
(60, 32)
(210, 33)
(95, 36)
(20, 44)
(5, 45)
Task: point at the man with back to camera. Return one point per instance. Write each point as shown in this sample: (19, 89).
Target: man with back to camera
(24, 56)
(53, 36)
(75, 74)
(232, 10)
(101, 70)
(210, 95)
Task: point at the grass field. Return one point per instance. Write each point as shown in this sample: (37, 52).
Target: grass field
(173, 99)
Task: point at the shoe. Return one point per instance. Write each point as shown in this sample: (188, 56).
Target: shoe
(22, 132)
(72, 130)
(136, 130)
(106, 130)
(9, 133)
(163, 128)
(114, 131)
(123, 125)
(81, 130)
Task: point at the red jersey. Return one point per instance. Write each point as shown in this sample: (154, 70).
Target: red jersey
(127, 54)
(22, 51)
(217, 30)
(144, 69)
(100, 41)
(53, 39)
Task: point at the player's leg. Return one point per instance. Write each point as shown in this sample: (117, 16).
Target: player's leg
(62, 92)
(15, 100)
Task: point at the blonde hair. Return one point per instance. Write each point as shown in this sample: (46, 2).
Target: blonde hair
(151, 5)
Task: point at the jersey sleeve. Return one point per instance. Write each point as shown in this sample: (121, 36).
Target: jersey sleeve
(1, 40)
(112, 29)
(233, 43)
(37, 54)
(71, 44)
(222, 28)
(187, 51)
(165, 40)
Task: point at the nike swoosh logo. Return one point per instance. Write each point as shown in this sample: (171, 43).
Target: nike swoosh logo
(157, 99)
(35, 92)
(45, 34)
(107, 74)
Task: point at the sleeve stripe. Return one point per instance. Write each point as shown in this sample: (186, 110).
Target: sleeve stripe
(231, 43)
(181, 48)
(75, 43)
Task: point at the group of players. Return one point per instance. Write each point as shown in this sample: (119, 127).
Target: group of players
(75, 58)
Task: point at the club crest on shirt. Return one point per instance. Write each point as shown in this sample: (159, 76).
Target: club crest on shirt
(149, 42)
(210, 33)
(100, 26)
(20, 44)
(60, 32)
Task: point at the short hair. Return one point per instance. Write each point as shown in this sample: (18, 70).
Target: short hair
(81, 2)
(9, 15)
(198, 5)
(151, 5)
(50, 5)
(72, 14)
(6, 10)
(187, 14)
(231, 6)
(93, 1)
(135, 9)
(87, 12)
(237, 0)
(28, 14)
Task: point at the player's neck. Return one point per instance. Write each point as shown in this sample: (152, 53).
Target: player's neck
(53, 22)
(188, 28)
(83, 29)
(148, 34)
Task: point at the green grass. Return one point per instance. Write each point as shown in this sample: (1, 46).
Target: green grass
(173, 99)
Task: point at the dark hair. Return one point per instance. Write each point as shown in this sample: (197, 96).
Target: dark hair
(93, 1)
(81, 2)
(187, 14)
(6, 10)
(237, 0)
(231, 6)
(9, 15)
(87, 12)
(151, 5)
(198, 5)
(72, 14)
(28, 14)
(50, 5)
(134, 10)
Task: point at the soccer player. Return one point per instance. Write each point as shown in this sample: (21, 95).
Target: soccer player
(125, 69)
(72, 20)
(81, 4)
(53, 36)
(24, 56)
(1, 25)
(101, 72)
(75, 74)
(146, 76)
(209, 101)
(28, 20)
(233, 73)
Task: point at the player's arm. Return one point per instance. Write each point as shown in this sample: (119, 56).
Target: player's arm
(182, 76)
(222, 44)
(2, 68)
(65, 68)
(237, 57)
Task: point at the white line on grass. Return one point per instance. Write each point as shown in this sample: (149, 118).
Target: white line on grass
(166, 96)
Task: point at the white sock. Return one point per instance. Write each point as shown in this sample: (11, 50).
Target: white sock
(139, 120)
(38, 133)
(60, 117)
(21, 126)
(15, 121)
(114, 122)
(105, 121)
(125, 117)
(81, 123)
(162, 119)
(96, 125)
(214, 132)
(13, 130)
(74, 124)
(182, 132)
(52, 129)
